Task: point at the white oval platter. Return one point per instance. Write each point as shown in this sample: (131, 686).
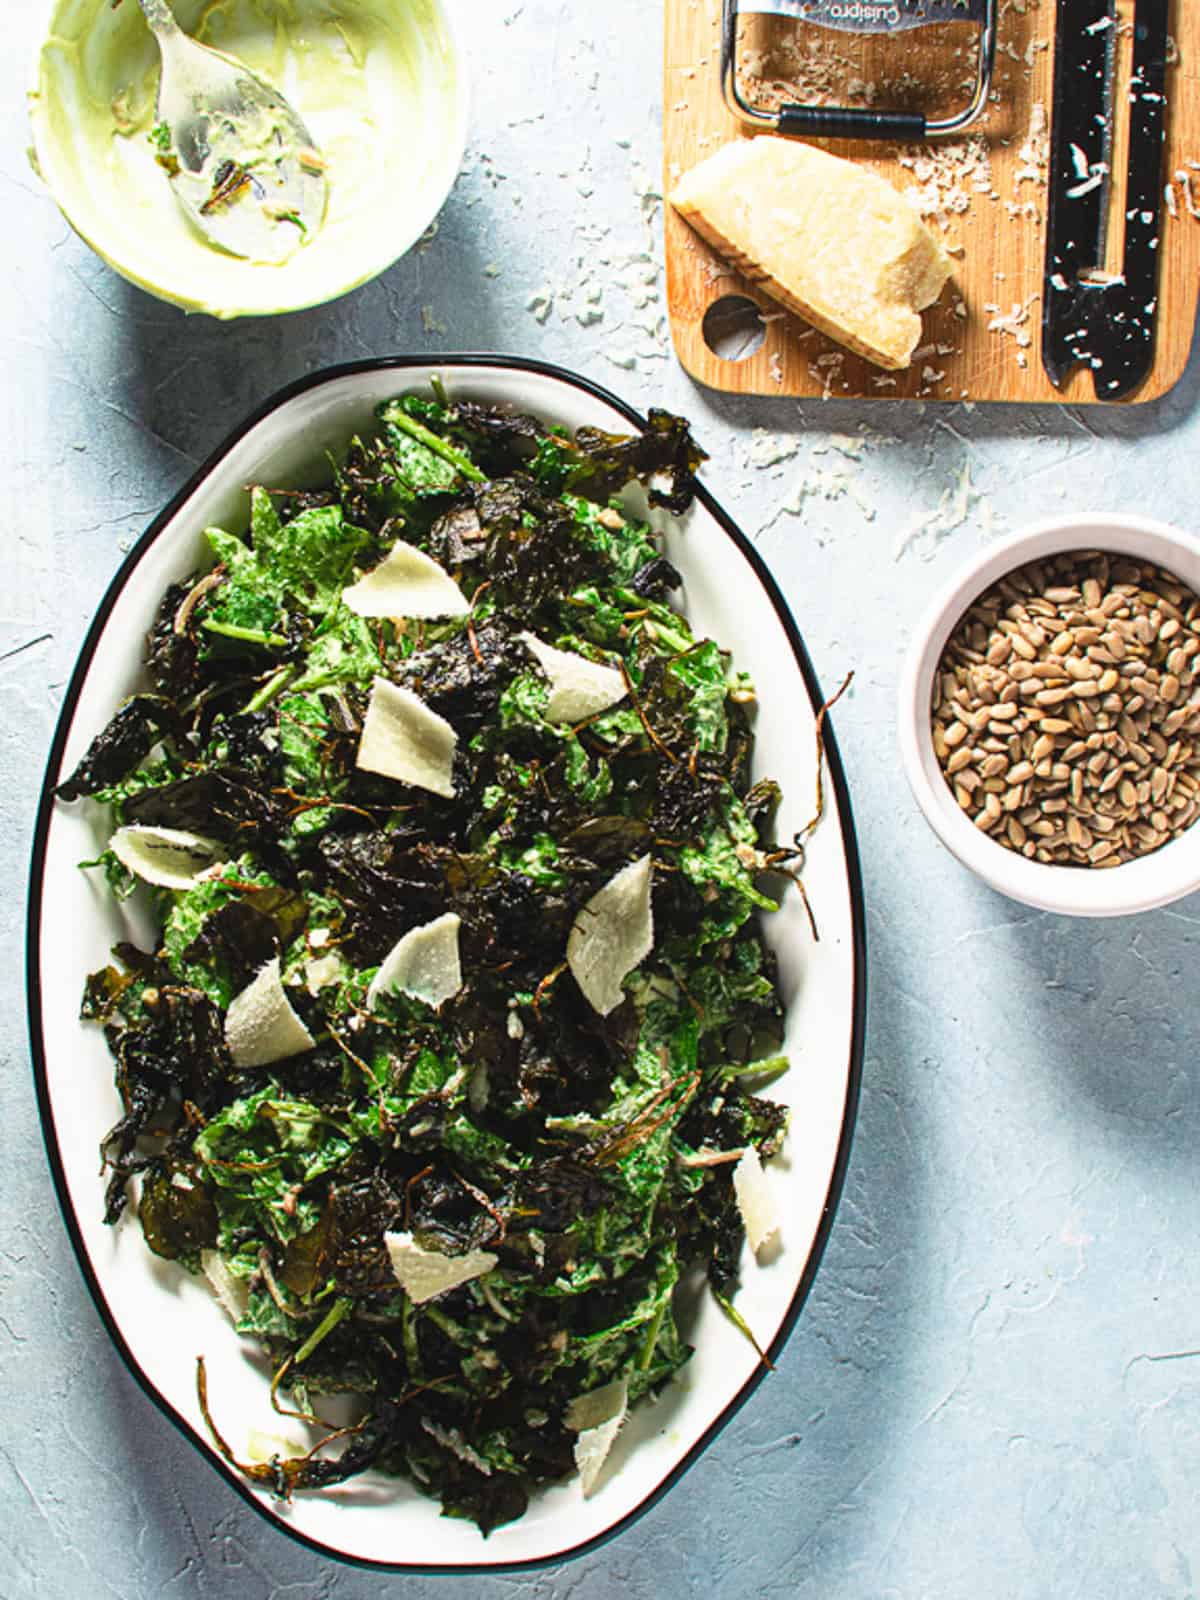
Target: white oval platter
(159, 1318)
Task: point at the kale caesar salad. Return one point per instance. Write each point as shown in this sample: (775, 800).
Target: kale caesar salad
(445, 1066)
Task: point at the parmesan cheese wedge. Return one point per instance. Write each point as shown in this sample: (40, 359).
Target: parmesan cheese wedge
(166, 857)
(755, 1200)
(403, 739)
(579, 688)
(424, 963)
(260, 1025)
(597, 1417)
(423, 1274)
(232, 1294)
(613, 933)
(830, 239)
(407, 583)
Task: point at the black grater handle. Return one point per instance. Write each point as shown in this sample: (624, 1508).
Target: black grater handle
(848, 122)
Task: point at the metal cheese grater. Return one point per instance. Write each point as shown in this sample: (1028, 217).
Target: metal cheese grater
(859, 17)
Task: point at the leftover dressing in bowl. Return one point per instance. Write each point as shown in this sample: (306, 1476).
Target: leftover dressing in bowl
(379, 83)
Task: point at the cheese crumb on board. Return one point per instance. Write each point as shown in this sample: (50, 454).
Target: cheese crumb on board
(1034, 154)
(424, 1274)
(260, 1025)
(836, 243)
(948, 177)
(1014, 324)
(1184, 179)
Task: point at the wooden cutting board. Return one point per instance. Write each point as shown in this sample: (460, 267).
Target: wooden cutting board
(985, 192)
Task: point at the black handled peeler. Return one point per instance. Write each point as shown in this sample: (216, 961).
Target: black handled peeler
(1107, 322)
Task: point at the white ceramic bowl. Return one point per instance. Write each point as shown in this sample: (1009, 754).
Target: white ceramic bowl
(1154, 880)
(161, 1319)
(381, 84)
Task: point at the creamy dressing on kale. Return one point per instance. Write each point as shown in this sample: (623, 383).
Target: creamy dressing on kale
(513, 1120)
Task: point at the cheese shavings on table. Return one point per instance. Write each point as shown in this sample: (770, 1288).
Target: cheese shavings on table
(829, 239)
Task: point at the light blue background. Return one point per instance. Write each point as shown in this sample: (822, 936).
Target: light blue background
(995, 1389)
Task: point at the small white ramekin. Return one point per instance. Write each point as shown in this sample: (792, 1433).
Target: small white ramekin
(1154, 880)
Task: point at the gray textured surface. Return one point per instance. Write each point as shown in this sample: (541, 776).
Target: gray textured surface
(995, 1388)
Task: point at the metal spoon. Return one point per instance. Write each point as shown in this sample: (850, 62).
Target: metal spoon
(241, 161)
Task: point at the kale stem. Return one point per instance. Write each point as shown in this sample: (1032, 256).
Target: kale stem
(412, 1350)
(274, 686)
(327, 1324)
(670, 637)
(433, 441)
(230, 630)
(449, 1327)
(740, 1323)
(760, 1073)
(646, 1354)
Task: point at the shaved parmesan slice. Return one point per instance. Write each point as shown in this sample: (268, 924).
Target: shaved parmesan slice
(321, 971)
(403, 739)
(262, 1447)
(611, 935)
(755, 1200)
(597, 1417)
(591, 1452)
(260, 1025)
(422, 1274)
(166, 857)
(407, 583)
(478, 1088)
(579, 688)
(597, 1406)
(424, 964)
(231, 1293)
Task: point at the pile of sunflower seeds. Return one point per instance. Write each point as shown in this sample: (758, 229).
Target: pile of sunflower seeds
(1063, 711)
